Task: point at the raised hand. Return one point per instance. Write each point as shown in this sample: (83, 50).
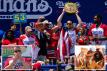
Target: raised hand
(63, 10)
(77, 12)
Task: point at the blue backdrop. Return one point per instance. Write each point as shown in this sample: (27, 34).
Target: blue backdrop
(51, 9)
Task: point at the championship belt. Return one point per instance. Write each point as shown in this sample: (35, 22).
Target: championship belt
(71, 7)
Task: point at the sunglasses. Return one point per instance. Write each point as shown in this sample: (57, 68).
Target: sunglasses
(69, 23)
(17, 51)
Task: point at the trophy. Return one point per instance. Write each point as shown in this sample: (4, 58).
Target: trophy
(71, 7)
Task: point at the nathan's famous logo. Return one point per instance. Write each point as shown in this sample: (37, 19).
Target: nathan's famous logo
(27, 6)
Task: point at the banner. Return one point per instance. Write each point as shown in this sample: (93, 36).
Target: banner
(50, 9)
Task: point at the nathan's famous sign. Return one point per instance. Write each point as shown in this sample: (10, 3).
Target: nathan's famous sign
(33, 8)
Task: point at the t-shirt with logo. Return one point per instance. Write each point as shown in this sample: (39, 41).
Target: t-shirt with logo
(99, 32)
(31, 41)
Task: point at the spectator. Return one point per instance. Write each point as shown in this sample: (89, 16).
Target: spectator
(42, 38)
(13, 28)
(10, 39)
(98, 31)
(82, 39)
(30, 39)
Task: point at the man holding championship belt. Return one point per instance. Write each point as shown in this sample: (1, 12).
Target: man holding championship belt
(70, 30)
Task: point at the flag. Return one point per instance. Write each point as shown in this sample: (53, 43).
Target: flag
(61, 47)
(68, 42)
